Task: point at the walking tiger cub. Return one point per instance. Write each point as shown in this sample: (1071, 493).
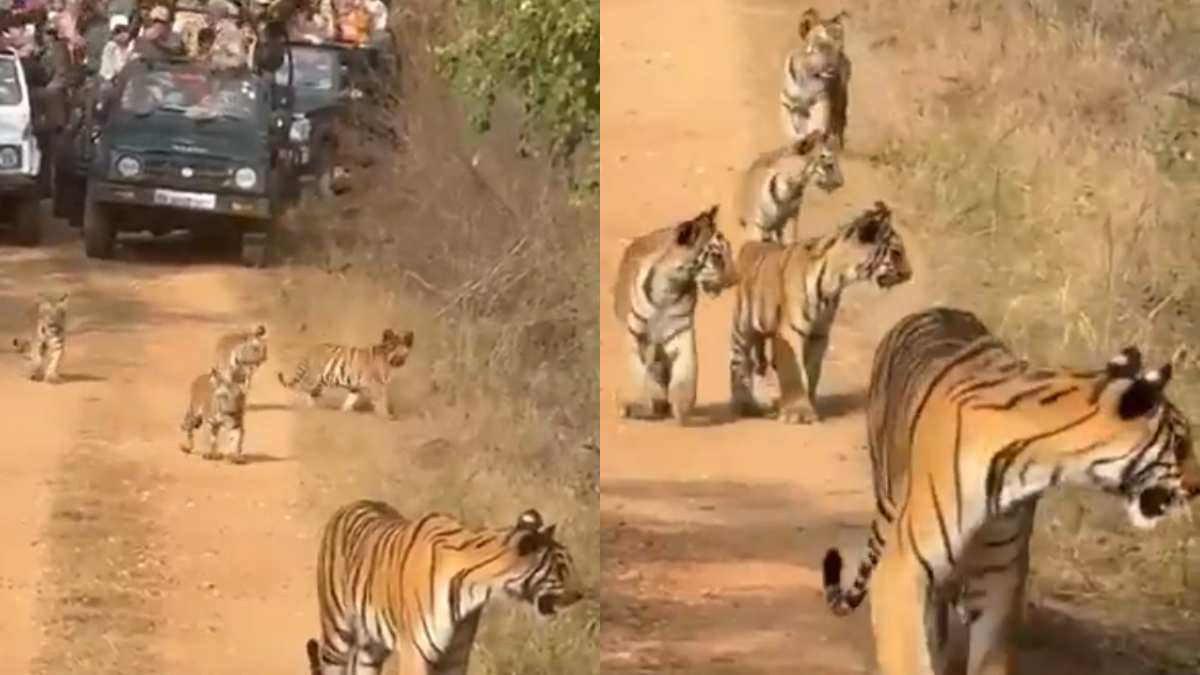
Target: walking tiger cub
(44, 350)
(787, 299)
(816, 80)
(240, 354)
(655, 296)
(219, 402)
(772, 189)
(964, 439)
(358, 370)
(417, 588)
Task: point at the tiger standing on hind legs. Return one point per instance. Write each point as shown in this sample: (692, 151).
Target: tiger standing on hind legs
(416, 588)
(788, 296)
(816, 80)
(45, 349)
(771, 190)
(655, 295)
(964, 439)
(242, 353)
(218, 401)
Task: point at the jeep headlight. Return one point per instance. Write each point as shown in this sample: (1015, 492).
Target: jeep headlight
(128, 166)
(245, 178)
(301, 130)
(10, 158)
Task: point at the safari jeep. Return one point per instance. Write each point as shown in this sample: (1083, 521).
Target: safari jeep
(20, 156)
(177, 146)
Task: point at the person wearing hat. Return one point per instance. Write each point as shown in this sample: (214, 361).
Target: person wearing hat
(158, 40)
(117, 49)
(228, 49)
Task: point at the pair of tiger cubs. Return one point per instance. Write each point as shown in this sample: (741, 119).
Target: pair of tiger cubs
(218, 398)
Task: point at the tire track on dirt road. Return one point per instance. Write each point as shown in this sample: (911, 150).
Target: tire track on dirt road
(713, 534)
(129, 556)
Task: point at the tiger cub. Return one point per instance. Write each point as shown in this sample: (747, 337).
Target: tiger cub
(219, 402)
(816, 80)
(45, 348)
(240, 354)
(772, 188)
(655, 296)
(964, 439)
(416, 588)
(359, 370)
(787, 299)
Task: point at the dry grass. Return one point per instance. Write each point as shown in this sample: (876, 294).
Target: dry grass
(498, 276)
(1048, 149)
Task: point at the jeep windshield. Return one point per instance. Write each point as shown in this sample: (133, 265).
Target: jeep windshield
(10, 85)
(315, 69)
(195, 94)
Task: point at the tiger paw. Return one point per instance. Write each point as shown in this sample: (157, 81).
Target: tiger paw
(35, 376)
(53, 378)
(211, 455)
(237, 459)
(185, 448)
(798, 415)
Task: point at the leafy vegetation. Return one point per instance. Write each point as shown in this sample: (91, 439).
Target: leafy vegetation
(547, 53)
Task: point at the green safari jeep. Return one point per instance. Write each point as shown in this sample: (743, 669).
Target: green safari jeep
(174, 145)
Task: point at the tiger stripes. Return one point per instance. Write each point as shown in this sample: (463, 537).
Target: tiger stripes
(771, 190)
(415, 589)
(815, 94)
(359, 370)
(45, 348)
(239, 355)
(787, 299)
(964, 438)
(219, 403)
(655, 295)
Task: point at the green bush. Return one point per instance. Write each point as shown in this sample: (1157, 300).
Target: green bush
(547, 52)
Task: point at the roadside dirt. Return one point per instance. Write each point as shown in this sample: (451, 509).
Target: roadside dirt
(124, 555)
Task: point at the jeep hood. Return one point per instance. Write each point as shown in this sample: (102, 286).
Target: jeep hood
(215, 138)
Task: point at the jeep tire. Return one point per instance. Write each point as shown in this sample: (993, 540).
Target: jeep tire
(27, 220)
(99, 236)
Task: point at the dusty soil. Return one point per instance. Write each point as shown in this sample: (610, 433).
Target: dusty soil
(124, 555)
(713, 535)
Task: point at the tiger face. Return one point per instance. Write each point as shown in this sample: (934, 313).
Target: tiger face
(395, 347)
(877, 247)
(548, 581)
(701, 254)
(1160, 475)
(52, 311)
(823, 43)
(253, 351)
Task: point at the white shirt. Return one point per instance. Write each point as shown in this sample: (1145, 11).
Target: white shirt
(113, 59)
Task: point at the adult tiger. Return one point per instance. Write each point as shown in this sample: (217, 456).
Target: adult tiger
(357, 369)
(964, 438)
(816, 80)
(772, 188)
(417, 588)
(655, 297)
(45, 349)
(788, 296)
(241, 353)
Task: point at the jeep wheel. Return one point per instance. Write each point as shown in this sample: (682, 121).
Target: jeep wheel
(28, 221)
(99, 237)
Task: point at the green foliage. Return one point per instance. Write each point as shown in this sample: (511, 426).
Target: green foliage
(547, 52)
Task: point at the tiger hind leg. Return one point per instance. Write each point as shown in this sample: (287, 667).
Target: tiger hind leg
(795, 397)
(52, 359)
(993, 602)
(746, 356)
(351, 400)
(681, 388)
(899, 594)
(214, 437)
(648, 375)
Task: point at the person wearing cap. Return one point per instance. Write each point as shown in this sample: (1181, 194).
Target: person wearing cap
(228, 49)
(117, 49)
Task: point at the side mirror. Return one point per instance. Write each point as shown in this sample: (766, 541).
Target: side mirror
(281, 97)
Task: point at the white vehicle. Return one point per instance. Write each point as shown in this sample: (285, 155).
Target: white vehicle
(20, 156)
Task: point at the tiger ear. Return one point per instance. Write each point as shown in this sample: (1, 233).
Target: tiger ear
(808, 20)
(837, 18)
(1125, 365)
(62, 299)
(389, 336)
(530, 520)
(689, 232)
(406, 338)
(1145, 394)
(811, 140)
(260, 331)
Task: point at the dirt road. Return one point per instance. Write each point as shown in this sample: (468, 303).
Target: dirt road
(714, 535)
(124, 555)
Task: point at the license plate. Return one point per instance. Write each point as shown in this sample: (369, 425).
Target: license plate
(188, 200)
